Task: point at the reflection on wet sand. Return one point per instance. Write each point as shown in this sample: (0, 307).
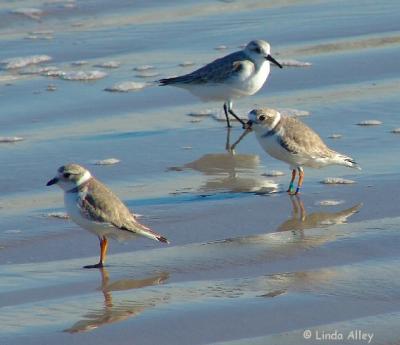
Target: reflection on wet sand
(228, 169)
(290, 237)
(112, 313)
(300, 220)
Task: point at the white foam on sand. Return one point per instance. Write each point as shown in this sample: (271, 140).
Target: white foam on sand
(37, 70)
(370, 123)
(108, 64)
(187, 64)
(337, 180)
(143, 68)
(83, 75)
(38, 37)
(57, 215)
(127, 86)
(273, 173)
(108, 161)
(293, 112)
(19, 62)
(79, 63)
(30, 12)
(10, 139)
(294, 63)
(201, 113)
(329, 202)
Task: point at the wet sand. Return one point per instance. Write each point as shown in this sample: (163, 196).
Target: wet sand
(247, 264)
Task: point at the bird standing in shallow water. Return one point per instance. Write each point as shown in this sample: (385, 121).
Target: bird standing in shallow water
(290, 140)
(233, 76)
(97, 209)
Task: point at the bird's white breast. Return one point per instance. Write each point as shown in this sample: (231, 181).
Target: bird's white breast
(257, 80)
(271, 144)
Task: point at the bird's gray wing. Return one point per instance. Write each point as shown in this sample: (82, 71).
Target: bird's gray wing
(217, 71)
(301, 139)
(102, 205)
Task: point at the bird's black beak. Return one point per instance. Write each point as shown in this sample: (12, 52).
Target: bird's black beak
(52, 181)
(270, 58)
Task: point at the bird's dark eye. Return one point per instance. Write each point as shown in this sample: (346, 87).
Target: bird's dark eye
(262, 118)
(67, 175)
(257, 50)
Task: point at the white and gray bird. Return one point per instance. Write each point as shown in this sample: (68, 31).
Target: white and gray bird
(94, 207)
(290, 140)
(233, 76)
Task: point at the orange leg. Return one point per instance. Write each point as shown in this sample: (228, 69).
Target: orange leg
(301, 179)
(290, 189)
(103, 252)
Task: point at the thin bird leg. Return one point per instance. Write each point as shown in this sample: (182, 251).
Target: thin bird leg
(103, 251)
(228, 139)
(301, 178)
(235, 115)
(290, 189)
(228, 124)
(245, 132)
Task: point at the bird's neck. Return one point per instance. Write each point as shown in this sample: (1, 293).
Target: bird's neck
(79, 187)
(273, 128)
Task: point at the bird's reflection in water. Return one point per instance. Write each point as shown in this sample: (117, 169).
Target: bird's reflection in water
(300, 220)
(231, 172)
(115, 312)
(290, 236)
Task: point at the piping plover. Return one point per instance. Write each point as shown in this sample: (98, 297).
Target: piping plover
(97, 209)
(236, 75)
(290, 140)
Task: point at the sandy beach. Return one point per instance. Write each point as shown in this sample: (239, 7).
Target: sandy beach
(247, 263)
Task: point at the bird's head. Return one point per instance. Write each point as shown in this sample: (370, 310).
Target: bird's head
(263, 118)
(260, 50)
(70, 176)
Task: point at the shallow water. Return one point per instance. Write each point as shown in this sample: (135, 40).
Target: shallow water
(247, 263)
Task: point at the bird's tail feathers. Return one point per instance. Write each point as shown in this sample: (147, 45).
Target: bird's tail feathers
(147, 232)
(347, 161)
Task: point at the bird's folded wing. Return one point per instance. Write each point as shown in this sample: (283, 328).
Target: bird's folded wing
(107, 208)
(301, 139)
(217, 71)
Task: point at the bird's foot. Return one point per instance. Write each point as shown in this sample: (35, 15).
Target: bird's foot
(290, 190)
(99, 265)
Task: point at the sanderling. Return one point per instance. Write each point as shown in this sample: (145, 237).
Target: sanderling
(236, 75)
(290, 140)
(97, 209)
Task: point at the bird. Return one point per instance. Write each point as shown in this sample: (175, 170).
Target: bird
(94, 207)
(288, 139)
(233, 76)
